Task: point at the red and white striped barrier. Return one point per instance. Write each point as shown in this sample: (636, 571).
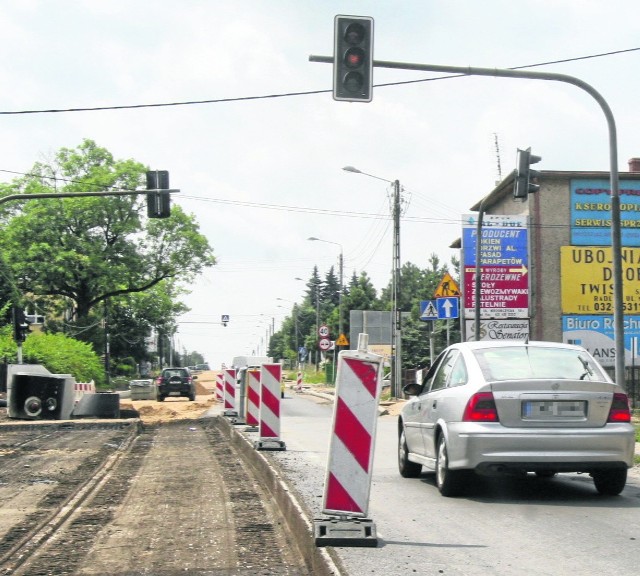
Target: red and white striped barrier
(230, 392)
(253, 397)
(299, 382)
(270, 378)
(219, 387)
(82, 388)
(351, 448)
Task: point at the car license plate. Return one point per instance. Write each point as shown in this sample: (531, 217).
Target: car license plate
(551, 409)
(174, 393)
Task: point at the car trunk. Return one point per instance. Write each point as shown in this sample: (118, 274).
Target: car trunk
(553, 403)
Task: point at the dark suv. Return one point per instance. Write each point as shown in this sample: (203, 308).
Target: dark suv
(176, 382)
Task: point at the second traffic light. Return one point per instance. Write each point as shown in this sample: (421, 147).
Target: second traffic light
(353, 58)
(159, 201)
(20, 325)
(526, 179)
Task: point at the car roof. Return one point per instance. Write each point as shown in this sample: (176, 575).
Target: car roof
(478, 344)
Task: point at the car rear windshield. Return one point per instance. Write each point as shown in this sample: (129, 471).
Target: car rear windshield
(170, 373)
(530, 362)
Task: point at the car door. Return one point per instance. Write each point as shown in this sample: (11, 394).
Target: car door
(415, 414)
(435, 399)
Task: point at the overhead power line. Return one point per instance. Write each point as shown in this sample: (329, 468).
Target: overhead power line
(288, 94)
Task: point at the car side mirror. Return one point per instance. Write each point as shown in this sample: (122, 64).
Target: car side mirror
(412, 389)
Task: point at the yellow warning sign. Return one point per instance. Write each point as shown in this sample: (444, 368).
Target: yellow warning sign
(342, 341)
(447, 287)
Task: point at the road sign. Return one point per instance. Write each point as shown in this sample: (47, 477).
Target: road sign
(324, 344)
(447, 287)
(323, 331)
(342, 341)
(448, 308)
(428, 310)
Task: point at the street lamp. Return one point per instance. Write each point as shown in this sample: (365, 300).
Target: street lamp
(396, 331)
(341, 268)
(295, 326)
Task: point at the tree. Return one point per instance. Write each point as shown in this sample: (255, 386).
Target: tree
(85, 251)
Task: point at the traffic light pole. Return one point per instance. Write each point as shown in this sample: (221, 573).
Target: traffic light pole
(616, 242)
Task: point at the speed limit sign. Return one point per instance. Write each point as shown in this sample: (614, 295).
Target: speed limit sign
(323, 331)
(324, 344)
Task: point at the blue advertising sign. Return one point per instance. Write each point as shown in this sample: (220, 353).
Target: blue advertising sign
(591, 212)
(596, 334)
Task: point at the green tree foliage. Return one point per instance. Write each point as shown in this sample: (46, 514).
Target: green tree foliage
(73, 255)
(57, 353)
(416, 285)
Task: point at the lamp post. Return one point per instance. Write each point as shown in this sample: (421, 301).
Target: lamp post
(295, 327)
(396, 331)
(317, 322)
(341, 268)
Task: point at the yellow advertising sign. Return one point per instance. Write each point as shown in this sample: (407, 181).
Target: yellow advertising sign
(586, 280)
(447, 287)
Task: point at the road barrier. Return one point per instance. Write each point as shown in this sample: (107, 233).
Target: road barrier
(270, 379)
(230, 392)
(253, 399)
(82, 388)
(351, 448)
(299, 382)
(219, 387)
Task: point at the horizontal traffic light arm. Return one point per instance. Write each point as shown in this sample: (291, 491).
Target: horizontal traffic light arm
(81, 194)
(616, 242)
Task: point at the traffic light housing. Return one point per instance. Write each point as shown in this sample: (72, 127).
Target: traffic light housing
(526, 179)
(20, 325)
(353, 58)
(158, 201)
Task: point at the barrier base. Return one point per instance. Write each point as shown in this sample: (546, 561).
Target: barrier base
(345, 531)
(251, 429)
(230, 413)
(238, 421)
(269, 444)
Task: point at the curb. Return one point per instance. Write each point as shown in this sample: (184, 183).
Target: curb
(321, 562)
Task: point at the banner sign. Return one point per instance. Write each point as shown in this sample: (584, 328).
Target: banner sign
(596, 334)
(504, 261)
(591, 212)
(586, 280)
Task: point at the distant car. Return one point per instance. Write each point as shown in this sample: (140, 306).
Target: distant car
(516, 407)
(202, 367)
(176, 382)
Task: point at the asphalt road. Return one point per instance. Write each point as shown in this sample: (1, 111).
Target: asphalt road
(504, 526)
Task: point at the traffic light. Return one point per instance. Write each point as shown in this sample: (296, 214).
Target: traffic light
(526, 179)
(353, 58)
(158, 201)
(20, 325)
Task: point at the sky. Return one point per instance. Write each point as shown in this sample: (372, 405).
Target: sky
(260, 164)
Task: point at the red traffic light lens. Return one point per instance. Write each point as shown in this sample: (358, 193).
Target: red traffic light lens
(354, 57)
(354, 33)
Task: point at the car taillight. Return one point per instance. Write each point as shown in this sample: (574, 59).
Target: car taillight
(159, 380)
(481, 408)
(189, 379)
(619, 411)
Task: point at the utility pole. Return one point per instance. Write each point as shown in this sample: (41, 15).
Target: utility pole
(396, 336)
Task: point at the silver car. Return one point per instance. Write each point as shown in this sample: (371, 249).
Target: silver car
(516, 407)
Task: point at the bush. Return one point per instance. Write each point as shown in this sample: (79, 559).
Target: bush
(57, 353)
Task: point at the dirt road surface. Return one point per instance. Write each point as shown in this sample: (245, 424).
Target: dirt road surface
(163, 495)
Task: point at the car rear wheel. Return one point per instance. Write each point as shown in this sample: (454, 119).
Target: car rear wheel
(610, 482)
(407, 468)
(449, 482)
(160, 398)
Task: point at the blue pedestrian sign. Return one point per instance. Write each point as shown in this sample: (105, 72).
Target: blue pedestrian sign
(428, 310)
(448, 308)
